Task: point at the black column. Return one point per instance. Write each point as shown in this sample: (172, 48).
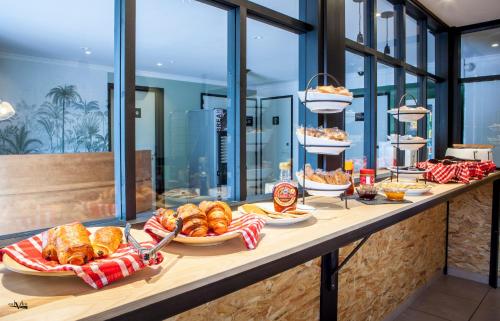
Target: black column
(124, 109)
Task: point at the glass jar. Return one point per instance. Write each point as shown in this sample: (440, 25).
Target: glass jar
(366, 176)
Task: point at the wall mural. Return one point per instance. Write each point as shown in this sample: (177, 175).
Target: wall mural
(38, 129)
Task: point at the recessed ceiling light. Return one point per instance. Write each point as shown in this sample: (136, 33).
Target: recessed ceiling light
(86, 50)
(494, 45)
(159, 64)
(378, 14)
(257, 37)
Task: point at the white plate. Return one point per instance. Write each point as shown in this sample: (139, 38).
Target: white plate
(283, 221)
(412, 146)
(324, 104)
(206, 240)
(407, 144)
(335, 147)
(408, 115)
(418, 192)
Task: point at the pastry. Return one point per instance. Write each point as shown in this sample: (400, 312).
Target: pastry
(337, 177)
(73, 244)
(49, 251)
(168, 218)
(194, 220)
(106, 241)
(254, 209)
(219, 216)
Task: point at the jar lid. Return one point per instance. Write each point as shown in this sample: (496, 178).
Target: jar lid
(285, 166)
(349, 165)
(367, 171)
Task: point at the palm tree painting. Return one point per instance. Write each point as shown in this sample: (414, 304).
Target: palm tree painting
(20, 143)
(87, 106)
(63, 96)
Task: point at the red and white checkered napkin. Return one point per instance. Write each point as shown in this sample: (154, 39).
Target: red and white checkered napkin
(458, 172)
(249, 226)
(97, 274)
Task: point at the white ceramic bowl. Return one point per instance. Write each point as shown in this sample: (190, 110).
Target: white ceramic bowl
(334, 147)
(325, 103)
(408, 115)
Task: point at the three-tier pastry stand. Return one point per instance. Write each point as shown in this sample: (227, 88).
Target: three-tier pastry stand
(322, 104)
(407, 117)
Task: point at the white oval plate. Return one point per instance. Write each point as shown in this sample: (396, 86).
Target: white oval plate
(206, 240)
(418, 192)
(268, 206)
(19, 268)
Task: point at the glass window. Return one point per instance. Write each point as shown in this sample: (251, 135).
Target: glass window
(385, 27)
(55, 65)
(354, 116)
(431, 52)
(272, 84)
(288, 7)
(431, 126)
(182, 136)
(411, 99)
(354, 20)
(481, 117)
(411, 41)
(386, 100)
(480, 53)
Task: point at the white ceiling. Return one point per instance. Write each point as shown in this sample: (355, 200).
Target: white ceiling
(457, 13)
(187, 37)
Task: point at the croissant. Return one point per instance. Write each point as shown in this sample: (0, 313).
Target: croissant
(167, 218)
(193, 219)
(106, 241)
(73, 244)
(49, 251)
(219, 215)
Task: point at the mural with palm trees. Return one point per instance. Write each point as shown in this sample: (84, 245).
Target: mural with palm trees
(64, 123)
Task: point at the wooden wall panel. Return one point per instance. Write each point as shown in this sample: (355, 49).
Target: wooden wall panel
(391, 265)
(44, 190)
(470, 229)
(292, 295)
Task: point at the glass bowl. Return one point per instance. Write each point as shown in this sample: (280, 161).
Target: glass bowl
(367, 192)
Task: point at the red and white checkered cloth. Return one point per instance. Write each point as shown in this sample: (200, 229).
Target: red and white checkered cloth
(249, 226)
(462, 172)
(97, 274)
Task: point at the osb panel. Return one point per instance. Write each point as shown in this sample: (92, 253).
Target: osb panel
(291, 295)
(470, 230)
(391, 265)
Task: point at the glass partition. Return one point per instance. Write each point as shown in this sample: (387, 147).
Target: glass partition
(385, 27)
(412, 89)
(412, 41)
(480, 53)
(481, 116)
(355, 114)
(272, 84)
(431, 52)
(386, 100)
(182, 107)
(55, 64)
(354, 20)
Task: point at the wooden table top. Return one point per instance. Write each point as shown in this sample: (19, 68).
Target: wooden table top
(186, 268)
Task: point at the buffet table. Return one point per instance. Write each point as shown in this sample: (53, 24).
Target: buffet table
(192, 276)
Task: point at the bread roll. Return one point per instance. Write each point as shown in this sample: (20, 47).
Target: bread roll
(106, 241)
(49, 251)
(73, 244)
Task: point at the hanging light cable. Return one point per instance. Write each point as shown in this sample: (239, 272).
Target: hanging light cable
(387, 15)
(360, 37)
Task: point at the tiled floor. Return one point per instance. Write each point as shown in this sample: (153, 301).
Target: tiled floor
(454, 299)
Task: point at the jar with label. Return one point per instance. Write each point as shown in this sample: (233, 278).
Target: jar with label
(285, 193)
(366, 176)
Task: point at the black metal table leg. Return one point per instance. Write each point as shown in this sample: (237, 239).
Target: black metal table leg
(495, 226)
(328, 303)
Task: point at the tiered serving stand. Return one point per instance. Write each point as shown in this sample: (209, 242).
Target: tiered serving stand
(321, 103)
(407, 116)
